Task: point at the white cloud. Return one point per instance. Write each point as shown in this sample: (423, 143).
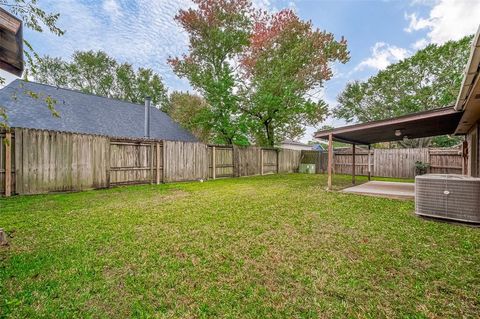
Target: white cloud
(141, 32)
(112, 7)
(447, 20)
(383, 55)
(415, 23)
(420, 44)
(145, 35)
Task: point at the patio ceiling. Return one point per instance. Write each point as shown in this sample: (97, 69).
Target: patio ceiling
(422, 124)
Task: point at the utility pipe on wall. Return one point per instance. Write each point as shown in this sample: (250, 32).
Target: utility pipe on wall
(148, 101)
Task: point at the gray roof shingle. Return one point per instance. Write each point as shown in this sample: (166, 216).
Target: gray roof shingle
(84, 113)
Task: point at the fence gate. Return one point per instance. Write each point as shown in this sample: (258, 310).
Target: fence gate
(135, 162)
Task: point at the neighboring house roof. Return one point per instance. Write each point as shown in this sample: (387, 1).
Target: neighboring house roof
(291, 142)
(84, 113)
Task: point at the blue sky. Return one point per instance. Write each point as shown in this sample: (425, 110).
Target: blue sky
(143, 32)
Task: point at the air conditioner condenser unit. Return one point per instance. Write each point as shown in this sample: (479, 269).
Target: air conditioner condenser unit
(448, 196)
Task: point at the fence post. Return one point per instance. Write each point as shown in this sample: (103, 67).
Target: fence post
(369, 166)
(8, 164)
(236, 160)
(278, 164)
(164, 161)
(261, 161)
(330, 160)
(152, 145)
(353, 164)
(214, 166)
(158, 163)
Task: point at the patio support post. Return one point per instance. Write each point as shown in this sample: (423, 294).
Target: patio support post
(353, 164)
(330, 160)
(369, 166)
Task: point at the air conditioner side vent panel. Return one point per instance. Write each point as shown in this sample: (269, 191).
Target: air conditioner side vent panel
(449, 196)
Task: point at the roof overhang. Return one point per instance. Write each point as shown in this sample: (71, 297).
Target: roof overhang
(469, 97)
(422, 124)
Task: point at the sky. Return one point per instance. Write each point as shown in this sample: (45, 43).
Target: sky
(144, 33)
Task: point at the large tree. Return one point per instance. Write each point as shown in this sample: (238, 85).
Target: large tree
(97, 73)
(427, 80)
(286, 61)
(218, 32)
(39, 20)
(192, 112)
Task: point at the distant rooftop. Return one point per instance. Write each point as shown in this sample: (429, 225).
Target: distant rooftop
(84, 113)
(292, 142)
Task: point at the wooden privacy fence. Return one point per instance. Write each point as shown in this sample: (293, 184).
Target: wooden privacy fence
(446, 161)
(399, 163)
(234, 161)
(38, 161)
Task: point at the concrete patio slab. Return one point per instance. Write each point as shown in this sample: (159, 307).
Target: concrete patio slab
(384, 189)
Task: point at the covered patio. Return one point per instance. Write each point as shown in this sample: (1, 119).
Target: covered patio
(417, 125)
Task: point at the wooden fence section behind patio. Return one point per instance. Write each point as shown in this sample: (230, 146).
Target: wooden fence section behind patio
(398, 163)
(343, 161)
(445, 161)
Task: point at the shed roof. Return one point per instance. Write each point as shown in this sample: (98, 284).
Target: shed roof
(422, 124)
(84, 113)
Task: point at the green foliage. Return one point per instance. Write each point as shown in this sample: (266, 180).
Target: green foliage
(33, 16)
(421, 168)
(286, 60)
(256, 70)
(427, 80)
(218, 32)
(192, 112)
(37, 19)
(446, 141)
(95, 72)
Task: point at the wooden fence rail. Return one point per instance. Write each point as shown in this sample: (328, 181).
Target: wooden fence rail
(37, 161)
(398, 163)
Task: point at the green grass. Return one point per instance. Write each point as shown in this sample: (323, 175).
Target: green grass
(260, 247)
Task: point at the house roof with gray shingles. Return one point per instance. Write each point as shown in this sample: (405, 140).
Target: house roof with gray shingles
(84, 113)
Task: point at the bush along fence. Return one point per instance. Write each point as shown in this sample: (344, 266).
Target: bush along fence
(38, 161)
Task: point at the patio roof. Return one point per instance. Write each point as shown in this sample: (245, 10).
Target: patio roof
(422, 124)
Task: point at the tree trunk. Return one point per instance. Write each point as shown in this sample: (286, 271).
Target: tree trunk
(269, 133)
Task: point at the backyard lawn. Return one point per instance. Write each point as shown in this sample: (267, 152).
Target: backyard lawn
(272, 246)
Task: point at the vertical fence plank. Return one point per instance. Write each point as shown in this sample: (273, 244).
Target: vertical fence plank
(353, 164)
(330, 160)
(158, 163)
(214, 163)
(8, 164)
